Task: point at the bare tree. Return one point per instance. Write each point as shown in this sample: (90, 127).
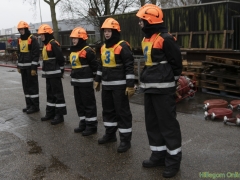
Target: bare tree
(52, 4)
(92, 9)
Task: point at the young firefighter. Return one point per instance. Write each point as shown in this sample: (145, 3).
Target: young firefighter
(163, 66)
(52, 70)
(116, 74)
(84, 65)
(28, 57)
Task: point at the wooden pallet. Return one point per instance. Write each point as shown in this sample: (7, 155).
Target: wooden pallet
(221, 78)
(214, 91)
(221, 86)
(222, 61)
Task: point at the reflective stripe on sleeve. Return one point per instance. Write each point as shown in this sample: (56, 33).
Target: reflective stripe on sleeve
(110, 123)
(34, 63)
(114, 82)
(99, 73)
(130, 76)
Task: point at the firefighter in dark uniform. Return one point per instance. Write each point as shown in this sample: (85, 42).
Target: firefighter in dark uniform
(52, 70)
(116, 74)
(84, 67)
(28, 61)
(163, 66)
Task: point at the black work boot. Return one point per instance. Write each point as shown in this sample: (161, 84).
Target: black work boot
(25, 109)
(150, 163)
(57, 119)
(32, 110)
(79, 129)
(107, 138)
(124, 146)
(47, 118)
(170, 172)
(88, 132)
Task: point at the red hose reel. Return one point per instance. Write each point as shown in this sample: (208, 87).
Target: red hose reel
(234, 104)
(235, 120)
(218, 113)
(215, 103)
(186, 88)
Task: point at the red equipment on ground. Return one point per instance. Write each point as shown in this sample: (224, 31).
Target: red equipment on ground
(215, 103)
(235, 120)
(186, 88)
(234, 104)
(218, 113)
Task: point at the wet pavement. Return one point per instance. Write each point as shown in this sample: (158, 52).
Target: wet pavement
(31, 149)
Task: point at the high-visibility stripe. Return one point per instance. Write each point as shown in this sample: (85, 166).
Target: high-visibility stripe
(114, 82)
(158, 148)
(32, 96)
(130, 76)
(157, 85)
(99, 73)
(125, 130)
(24, 64)
(52, 58)
(175, 151)
(60, 105)
(82, 80)
(61, 67)
(162, 62)
(51, 104)
(82, 117)
(35, 63)
(91, 119)
(110, 123)
(52, 72)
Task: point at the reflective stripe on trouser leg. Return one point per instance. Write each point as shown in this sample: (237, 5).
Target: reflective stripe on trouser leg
(163, 128)
(123, 114)
(108, 113)
(57, 93)
(86, 105)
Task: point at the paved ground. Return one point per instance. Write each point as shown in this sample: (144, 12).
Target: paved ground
(31, 149)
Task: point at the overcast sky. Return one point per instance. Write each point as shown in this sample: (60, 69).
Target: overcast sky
(13, 11)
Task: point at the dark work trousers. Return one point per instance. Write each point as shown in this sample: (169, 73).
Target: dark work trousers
(116, 113)
(30, 88)
(86, 106)
(55, 97)
(163, 129)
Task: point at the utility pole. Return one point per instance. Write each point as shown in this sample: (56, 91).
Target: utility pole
(40, 11)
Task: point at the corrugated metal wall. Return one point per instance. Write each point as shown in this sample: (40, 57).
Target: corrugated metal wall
(211, 17)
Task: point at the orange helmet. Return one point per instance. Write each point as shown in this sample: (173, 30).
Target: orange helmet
(79, 32)
(22, 24)
(45, 28)
(111, 24)
(150, 12)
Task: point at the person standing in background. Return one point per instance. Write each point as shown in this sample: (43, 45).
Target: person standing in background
(84, 67)
(52, 70)
(28, 61)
